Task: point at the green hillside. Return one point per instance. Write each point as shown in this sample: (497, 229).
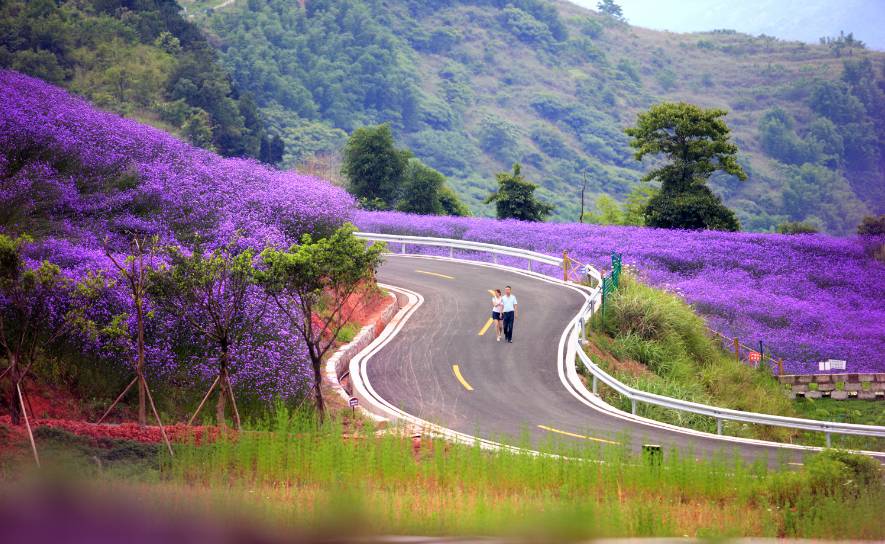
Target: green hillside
(140, 58)
(473, 85)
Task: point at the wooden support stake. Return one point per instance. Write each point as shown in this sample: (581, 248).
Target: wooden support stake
(128, 387)
(233, 402)
(157, 415)
(27, 423)
(564, 265)
(202, 402)
(737, 349)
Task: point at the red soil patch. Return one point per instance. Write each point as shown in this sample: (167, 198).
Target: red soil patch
(627, 366)
(50, 406)
(123, 431)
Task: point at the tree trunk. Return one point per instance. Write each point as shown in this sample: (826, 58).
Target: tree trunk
(224, 387)
(14, 406)
(317, 387)
(139, 368)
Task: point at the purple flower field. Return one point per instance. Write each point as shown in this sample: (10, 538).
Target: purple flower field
(807, 298)
(71, 176)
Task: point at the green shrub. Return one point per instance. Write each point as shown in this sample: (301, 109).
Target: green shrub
(797, 227)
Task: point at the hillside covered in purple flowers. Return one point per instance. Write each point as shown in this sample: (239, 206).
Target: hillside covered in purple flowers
(72, 177)
(76, 178)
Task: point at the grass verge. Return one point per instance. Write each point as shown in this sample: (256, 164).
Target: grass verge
(654, 341)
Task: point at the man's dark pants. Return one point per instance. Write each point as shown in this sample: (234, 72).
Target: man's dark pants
(508, 326)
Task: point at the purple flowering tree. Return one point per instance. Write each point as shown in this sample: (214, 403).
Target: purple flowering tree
(211, 294)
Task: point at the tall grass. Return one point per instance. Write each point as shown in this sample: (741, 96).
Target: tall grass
(663, 333)
(291, 471)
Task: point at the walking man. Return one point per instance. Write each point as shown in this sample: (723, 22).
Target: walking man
(510, 313)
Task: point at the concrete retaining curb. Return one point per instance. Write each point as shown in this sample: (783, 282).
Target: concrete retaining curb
(337, 366)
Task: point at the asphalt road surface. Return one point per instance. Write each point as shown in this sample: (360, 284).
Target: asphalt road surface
(444, 367)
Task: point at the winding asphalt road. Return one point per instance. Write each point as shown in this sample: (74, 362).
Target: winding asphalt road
(446, 368)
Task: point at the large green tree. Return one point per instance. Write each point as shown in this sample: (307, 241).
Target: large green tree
(693, 143)
(515, 198)
(373, 165)
(422, 190)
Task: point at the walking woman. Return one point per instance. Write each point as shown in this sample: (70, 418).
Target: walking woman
(498, 313)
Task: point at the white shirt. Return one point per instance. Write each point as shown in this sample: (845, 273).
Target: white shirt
(509, 302)
(497, 305)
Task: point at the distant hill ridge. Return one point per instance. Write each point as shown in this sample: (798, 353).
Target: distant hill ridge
(474, 85)
(471, 86)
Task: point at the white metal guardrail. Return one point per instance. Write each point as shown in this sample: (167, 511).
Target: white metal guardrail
(599, 375)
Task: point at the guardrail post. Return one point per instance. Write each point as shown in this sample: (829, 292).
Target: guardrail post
(718, 426)
(495, 258)
(583, 330)
(403, 248)
(633, 406)
(829, 440)
(737, 349)
(530, 265)
(564, 265)
(451, 252)
(594, 386)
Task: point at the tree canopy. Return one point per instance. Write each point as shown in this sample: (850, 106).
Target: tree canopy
(312, 284)
(694, 143)
(515, 198)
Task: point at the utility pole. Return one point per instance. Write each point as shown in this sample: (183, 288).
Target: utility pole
(583, 188)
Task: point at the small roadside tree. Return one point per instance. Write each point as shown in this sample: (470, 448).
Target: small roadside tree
(312, 284)
(32, 314)
(515, 198)
(135, 271)
(694, 143)
(210, 293)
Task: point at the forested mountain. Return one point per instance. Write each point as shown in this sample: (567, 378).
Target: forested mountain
(141, 58)
(471, 86)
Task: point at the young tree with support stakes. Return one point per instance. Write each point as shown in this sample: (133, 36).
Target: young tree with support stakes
(135, 269)
(33, 315)
(210, 293)
(312, 284)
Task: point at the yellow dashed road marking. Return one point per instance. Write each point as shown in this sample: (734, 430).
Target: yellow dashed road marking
(485, 327)
(585, 437)
(457, 370)
(435, 274)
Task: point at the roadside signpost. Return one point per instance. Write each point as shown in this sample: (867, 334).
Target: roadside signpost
(755, 357)
(832, 364)
(354, 402)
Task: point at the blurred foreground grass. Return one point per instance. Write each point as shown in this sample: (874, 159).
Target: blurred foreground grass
(290, 473)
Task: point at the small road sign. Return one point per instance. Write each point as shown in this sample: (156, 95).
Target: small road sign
(832, 364)
(755, 357)
(354, 402)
